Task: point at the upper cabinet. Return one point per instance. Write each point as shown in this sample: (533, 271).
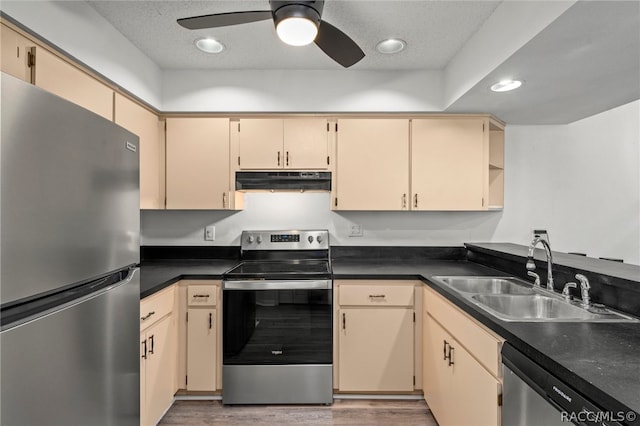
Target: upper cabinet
(448, 164)
(63, 79)
(15, 54)
(198, 163)
(372, 164)
(275, 143)
(431, 163)
(150, 130)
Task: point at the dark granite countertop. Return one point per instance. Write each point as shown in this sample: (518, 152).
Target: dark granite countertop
(158, 274)
(600, 360)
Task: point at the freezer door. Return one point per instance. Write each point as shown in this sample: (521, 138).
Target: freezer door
(77, 365)
(69, 193)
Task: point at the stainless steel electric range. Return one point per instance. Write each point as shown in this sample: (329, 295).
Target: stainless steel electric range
(277, 320)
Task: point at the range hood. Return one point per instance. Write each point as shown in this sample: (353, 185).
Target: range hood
(283, 181)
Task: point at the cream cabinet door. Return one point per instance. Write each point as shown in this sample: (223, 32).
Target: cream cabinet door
(372, 164)
(306, 144)
(201, 349)
(60, 78)
(260, 143)
(375, 349)
(436, 381)
(197, 163)
(143, 378)
(160, 364)
(474, 385)
(145, 124)
(449, 164)
(15, 49)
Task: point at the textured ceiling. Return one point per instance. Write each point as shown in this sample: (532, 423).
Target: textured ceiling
(585, 62)
(434, 31)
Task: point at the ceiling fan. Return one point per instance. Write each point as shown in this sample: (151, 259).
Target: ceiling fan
(297, 23)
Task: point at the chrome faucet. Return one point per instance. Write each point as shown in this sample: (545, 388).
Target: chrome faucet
(531, 266)
(584, 290)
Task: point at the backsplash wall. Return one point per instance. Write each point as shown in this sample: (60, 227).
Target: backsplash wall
(311, 210)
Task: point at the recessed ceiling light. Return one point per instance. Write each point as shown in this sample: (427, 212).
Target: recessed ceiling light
(209, 45)
(391, 45)
(506, 85)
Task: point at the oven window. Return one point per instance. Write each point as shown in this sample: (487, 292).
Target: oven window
(277, 327)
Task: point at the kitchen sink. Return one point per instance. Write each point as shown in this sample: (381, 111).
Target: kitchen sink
(540, 308)
(487, 285)
(511, 299)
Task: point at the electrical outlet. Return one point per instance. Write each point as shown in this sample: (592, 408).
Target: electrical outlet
(210, 233)
(356, 230)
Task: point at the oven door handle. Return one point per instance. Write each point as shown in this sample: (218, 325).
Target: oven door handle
(278, 285)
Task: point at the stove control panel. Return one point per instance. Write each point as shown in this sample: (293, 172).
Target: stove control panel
(285, 240)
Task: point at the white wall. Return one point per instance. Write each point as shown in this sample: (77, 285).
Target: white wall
(78, 29)
(302, 90)
(579, 181)
(311, 210)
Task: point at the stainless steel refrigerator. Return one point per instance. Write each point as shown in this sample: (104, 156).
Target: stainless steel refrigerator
(69, 289)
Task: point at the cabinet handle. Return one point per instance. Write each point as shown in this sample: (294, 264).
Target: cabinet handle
(144, 353)
(450, 356)
(404, 201)
(210, 320)
(146, 317)
(344, 321)
(200, 296)
(224, 199)
(278, 158)
(152, 341)
(287, 160)
(444, 349)
(377, 296)
(415, 201)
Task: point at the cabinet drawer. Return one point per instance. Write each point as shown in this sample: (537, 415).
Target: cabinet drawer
(483, 344)
(155, 307)
(202, 295)
(375, 295)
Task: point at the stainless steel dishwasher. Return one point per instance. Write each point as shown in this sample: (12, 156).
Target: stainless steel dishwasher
(534, 397)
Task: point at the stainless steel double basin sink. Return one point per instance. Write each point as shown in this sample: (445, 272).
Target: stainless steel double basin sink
(511, 299)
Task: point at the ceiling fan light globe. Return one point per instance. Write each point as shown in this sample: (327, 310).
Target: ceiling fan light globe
(296, 31)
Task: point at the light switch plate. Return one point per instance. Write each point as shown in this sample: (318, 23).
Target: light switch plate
(210, 233)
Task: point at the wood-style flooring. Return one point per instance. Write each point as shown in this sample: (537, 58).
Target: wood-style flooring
(342, 412)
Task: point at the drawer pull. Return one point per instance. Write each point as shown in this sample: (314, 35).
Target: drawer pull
(200, 296)
(146, 317)
(377, 296)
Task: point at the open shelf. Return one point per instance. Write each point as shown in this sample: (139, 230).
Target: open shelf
(496, 165)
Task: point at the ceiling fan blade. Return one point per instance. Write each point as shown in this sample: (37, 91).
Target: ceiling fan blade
(224, 19)
(337, 45)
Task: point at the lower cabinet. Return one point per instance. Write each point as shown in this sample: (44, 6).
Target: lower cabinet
(462, 382)
(375, 336)
(202, 322)
(157, 355)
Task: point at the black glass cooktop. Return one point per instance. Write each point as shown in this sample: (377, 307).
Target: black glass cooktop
(306, 269)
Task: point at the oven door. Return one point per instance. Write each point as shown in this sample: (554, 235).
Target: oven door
(277, 322)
